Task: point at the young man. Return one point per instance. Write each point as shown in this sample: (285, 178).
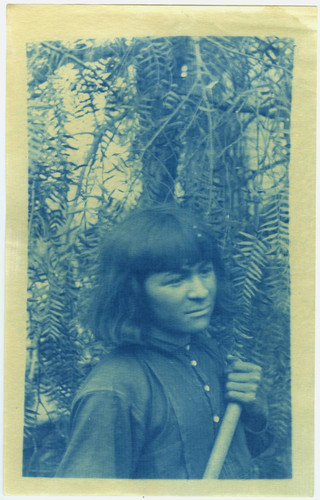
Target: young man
(153, 405)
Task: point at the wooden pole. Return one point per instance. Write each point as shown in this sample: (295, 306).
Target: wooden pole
(223, 441)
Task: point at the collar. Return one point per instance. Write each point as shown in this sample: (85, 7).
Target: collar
(172, 343)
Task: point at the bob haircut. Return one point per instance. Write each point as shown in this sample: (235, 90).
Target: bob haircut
(152, 240)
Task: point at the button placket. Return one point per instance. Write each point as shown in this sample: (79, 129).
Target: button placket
(206, 388)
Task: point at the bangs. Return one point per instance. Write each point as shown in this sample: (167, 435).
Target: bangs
(153, 240)
(168, 244)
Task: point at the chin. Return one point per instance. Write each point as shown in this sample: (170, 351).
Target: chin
(199, 326)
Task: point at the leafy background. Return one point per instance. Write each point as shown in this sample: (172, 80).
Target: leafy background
(117, 124)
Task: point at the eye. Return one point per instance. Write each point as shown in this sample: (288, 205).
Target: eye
(206, 269)
(174, 280)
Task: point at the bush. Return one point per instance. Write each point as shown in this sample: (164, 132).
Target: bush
(127, 123)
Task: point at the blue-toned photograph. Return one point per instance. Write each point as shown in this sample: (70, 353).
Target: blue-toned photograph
(158, 258)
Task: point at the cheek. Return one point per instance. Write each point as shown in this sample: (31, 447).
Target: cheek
(163, 301)
(213, 287)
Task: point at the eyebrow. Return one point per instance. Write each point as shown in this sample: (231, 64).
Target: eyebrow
(174, 271)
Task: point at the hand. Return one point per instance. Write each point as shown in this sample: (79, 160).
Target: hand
(243, 380)
(243, 386)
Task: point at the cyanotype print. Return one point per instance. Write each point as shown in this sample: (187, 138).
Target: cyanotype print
(159, 280)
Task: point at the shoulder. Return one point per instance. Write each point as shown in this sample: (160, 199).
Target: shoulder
(120, 371)
(207, 340)
(213, 347)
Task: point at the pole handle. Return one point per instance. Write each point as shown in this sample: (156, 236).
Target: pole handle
(223, 441)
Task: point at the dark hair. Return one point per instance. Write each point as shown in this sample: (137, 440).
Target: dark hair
(148, 241)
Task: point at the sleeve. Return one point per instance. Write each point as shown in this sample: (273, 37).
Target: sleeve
(255, 420)
(106, 438)
(255, 415)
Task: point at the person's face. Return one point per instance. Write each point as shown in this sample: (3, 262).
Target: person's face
(182, 302)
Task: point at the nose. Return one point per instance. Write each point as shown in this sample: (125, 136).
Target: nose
(197, 288)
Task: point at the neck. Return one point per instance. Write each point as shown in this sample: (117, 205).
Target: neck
(179, 339)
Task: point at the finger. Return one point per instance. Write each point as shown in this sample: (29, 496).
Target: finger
(238, 387)
(241, 397)
(244, 376)
(244, 366)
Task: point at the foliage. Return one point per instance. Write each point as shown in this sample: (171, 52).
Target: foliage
(127, 122)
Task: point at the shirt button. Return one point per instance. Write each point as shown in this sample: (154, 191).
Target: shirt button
(216, 419)
(207, 388)
(193, 362)
(188, 347)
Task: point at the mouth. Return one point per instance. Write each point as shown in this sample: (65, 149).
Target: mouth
(199, 312)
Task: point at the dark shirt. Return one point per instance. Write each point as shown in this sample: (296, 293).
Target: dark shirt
(153, 412)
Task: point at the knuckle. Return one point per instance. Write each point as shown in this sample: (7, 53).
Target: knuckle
(255, 378)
